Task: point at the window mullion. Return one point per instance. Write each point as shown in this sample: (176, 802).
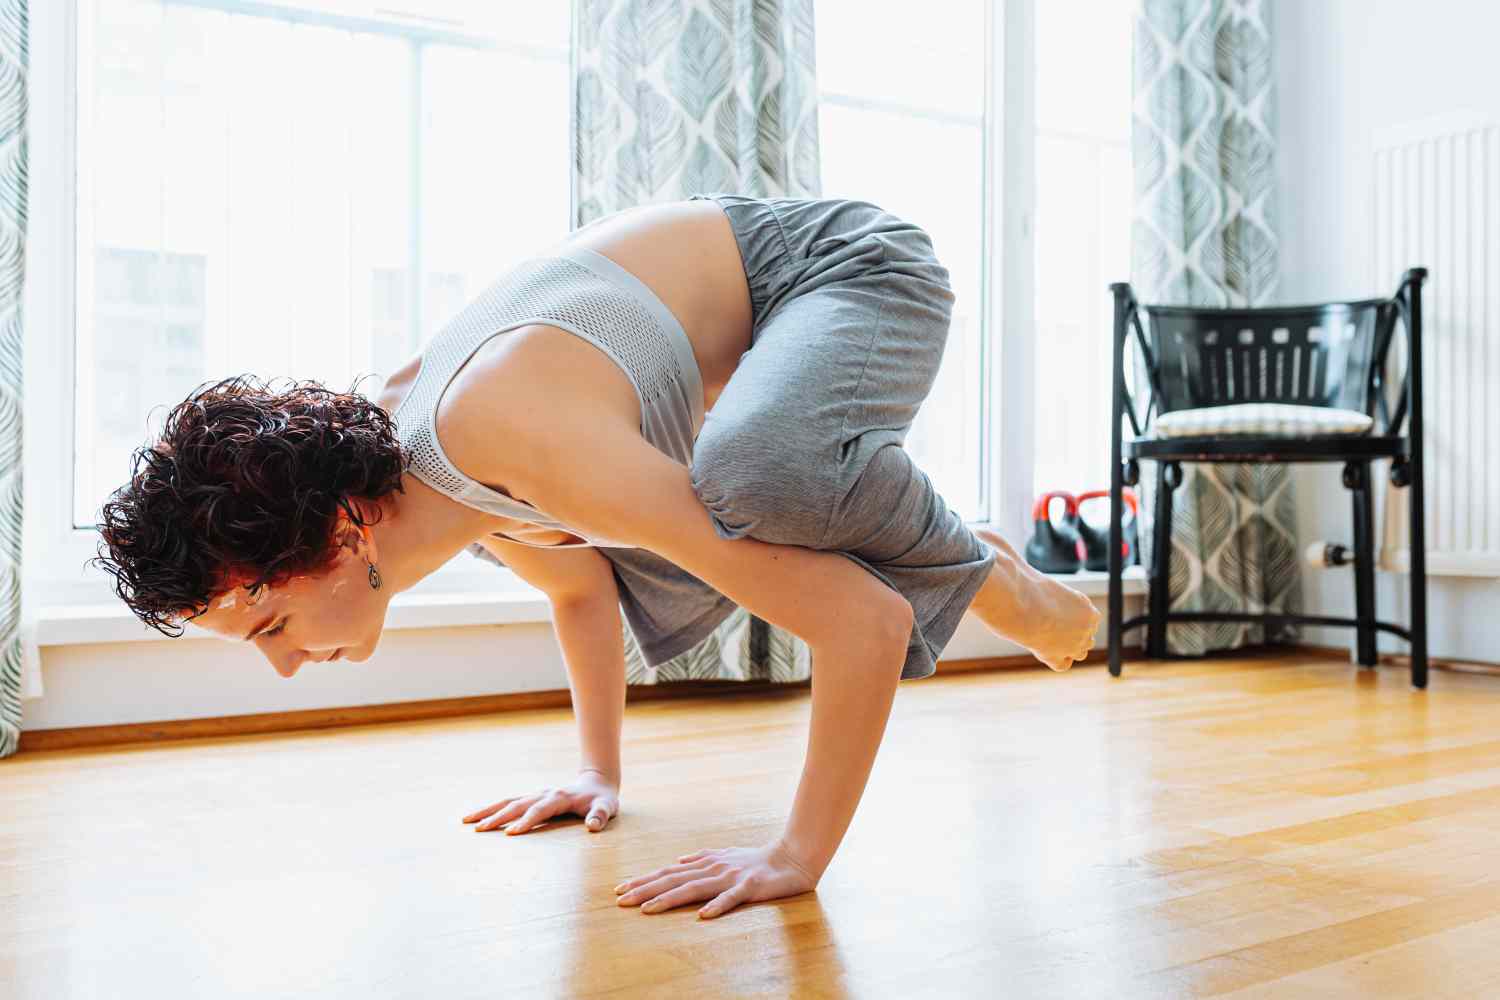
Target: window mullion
(415, 264)
(53, 549)
(1012, 361)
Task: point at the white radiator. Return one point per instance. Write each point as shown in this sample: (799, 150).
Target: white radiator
(1437, 204)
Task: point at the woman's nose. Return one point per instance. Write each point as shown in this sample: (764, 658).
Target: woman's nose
(288, 664)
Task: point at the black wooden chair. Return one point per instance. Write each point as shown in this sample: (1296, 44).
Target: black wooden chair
(1331, 355)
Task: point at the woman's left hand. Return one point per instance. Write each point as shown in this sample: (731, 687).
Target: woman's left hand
(726, 877)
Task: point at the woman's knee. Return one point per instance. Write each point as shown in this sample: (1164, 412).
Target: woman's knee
(901, 619)
(757, 485)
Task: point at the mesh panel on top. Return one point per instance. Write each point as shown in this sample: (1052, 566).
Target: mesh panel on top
(550, 290)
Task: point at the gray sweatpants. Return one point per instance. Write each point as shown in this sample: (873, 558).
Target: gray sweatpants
(850, 315)
(804, 445)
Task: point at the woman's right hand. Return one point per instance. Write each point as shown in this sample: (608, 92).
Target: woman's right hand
(591, 795)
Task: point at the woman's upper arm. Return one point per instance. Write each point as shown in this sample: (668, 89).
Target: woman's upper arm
(560, 573)
(608, 481)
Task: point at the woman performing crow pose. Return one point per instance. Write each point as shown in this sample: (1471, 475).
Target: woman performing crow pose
(693, 406)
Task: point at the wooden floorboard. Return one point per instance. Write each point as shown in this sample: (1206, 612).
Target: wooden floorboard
(1229, 827)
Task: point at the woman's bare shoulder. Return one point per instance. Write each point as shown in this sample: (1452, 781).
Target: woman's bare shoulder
(398, 384)
(495, 418)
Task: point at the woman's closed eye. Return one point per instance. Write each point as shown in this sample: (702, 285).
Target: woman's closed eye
(275, 631)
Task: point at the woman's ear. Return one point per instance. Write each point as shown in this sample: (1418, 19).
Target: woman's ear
(364, 539)
(367, 544)
(357, 538)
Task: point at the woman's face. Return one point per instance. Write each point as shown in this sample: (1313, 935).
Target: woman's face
(335, 615)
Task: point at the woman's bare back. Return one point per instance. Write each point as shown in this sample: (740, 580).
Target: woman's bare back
(685, 253)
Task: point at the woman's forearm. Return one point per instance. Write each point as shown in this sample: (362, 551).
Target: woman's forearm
(593, 647)
(853, 686)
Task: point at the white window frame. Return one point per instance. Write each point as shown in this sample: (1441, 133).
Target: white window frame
(57, 553)
(54, 552)
(1009, 209)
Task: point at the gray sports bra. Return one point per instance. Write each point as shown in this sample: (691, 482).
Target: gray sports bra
(588, 295)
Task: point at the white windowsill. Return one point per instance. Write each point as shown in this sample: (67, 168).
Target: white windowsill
(1097, 584)
(63, 625)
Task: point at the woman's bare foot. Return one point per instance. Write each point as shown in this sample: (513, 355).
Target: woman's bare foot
(1052, 620)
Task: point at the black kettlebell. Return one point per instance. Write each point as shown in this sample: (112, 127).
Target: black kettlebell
(1096, 540)
(1055, 548)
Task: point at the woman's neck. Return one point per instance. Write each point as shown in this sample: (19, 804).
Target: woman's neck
(420, 530)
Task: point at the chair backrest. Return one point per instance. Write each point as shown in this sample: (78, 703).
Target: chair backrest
(1319, 355)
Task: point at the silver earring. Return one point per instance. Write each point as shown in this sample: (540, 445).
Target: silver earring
(374, 576)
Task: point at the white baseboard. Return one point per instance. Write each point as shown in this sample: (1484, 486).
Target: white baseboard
(113, 682)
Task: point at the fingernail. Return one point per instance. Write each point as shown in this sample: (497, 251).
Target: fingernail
(649, 907)
(619, 888)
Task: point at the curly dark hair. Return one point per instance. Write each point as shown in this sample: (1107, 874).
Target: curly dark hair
(243, 488)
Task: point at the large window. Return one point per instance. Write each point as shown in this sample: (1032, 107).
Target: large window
(307, 189)
(901, 115)
(1082, 224)
(903, 119)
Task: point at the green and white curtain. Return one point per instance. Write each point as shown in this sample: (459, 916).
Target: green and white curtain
(1204, 154)
(20, 673)
(678, 97)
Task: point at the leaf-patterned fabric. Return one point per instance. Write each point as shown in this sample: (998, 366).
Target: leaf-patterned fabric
(13, 40)
(674, 97)
(678, 97)
(1203, 140)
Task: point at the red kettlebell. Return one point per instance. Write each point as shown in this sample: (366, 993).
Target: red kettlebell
(1055, 548)
(1096, 540)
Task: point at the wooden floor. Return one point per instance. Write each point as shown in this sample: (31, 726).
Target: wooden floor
(1230, 827)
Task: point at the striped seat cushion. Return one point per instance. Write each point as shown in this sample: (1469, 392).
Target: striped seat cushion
(1262, 420)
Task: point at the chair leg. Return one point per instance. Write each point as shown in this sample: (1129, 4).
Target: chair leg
(1116, 569)
(1168, 475)
(1364, 562)
(1418, 533)
(1416, 436)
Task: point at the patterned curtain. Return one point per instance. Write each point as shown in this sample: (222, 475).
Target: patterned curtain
(12, 260)
(677, 97)
(1204, 234)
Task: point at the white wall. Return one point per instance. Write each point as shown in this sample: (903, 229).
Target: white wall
(109, 683)
(94, 684)
(1347, 69)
